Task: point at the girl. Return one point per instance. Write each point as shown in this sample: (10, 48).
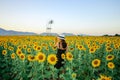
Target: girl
(61, 48)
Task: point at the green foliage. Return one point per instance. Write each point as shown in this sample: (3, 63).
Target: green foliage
(81, 65)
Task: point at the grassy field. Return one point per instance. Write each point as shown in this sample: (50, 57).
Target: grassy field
(34, 57)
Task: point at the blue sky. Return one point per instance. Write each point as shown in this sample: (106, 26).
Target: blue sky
(94, 17)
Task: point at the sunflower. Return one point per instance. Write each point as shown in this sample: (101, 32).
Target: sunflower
(101, 42)
(4, 52)
(92, 50)
(19, 47)
(24, 46)
(98, 47)
(63, 56)
(22, 56)
(116, 46)
(40, 57)
(89, 46)
(52, 59)
(10, 48)
(18, 52)
(30, 44)
(93, 44)
(46, 48)
(39, 48)
(71, 49)
(108, 45)
(73, 75)
(28, 50)
(96, 63)
(35, 47)
(88, 43)
(110, 57)
(108, 78)
(76, 45)
(80, 47)
(69, 56)
(109, 49)
(51, 44)
(35, 43)
(54, 47)
(13, 55)
(43, 44)
(5, 46)
(108, 41)
(30, 58)
(103, 77)
(111, 65)
(56, 40)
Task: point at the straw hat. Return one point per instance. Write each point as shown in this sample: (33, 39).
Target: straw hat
(61, 36)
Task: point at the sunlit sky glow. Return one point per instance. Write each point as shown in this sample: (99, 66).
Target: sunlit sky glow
(94, 17)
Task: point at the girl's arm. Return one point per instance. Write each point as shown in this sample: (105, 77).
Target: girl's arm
(56, 42)
(66, 49)
(56, 45)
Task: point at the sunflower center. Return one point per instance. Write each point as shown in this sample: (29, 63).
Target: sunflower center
(110, 64)
(95, 62)
(109, 48)
(12, 55)
(40, 57)
(19, 52)
(63, 56)
(102, 79)
(74, 75)
(92, 49)
(71, 48)
(32, 57)
(38, 48)
(22, 56)
(70, 56)
(80, 46)
(52, 59)
(108, 44)
(109, 56)
(116, 47)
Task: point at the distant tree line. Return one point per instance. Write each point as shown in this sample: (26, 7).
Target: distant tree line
(112, 35)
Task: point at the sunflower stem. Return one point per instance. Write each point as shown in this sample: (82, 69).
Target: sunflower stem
(42, 71)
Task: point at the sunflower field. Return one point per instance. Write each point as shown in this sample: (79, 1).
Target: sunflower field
(34, 57)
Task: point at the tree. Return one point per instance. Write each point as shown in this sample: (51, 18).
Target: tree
(117, 35)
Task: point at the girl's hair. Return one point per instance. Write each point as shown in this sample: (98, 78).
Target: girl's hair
(64, 44)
